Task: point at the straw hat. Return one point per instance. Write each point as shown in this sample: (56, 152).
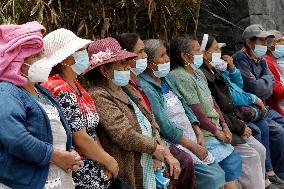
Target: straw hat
(60, 44)
(106, 51)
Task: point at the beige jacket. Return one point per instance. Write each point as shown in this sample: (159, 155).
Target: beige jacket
(120, 134)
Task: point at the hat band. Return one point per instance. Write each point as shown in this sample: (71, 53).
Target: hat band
(104, 56)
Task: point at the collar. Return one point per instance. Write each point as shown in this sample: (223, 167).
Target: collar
(246, 52)
(122, 98)
(208, 74)
(148, 78)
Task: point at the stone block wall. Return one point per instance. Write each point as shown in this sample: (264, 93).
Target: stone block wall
(269, 13)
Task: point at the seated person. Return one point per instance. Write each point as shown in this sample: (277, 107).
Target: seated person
(259, 81)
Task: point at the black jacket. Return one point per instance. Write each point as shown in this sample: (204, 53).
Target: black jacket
(220, 91)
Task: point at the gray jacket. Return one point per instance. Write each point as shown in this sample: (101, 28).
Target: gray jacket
(257, 77)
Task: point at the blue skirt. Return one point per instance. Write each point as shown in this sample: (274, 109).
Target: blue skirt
(232, 166)
(209, 176)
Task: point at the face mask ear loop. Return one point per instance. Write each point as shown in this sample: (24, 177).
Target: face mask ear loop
(24, 75)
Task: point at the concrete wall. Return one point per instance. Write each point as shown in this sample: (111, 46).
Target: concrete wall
(269, 13)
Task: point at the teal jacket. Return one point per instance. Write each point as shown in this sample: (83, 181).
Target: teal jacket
(153, 91)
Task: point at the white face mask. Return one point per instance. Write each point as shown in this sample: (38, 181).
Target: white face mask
(218, 63)
(38, 72)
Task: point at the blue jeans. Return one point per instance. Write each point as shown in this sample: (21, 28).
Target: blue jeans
(276, 133)
(262, 128)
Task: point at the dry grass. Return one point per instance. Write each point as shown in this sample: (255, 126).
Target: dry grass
(99, 18)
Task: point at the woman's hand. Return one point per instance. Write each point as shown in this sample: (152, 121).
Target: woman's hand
(111, 168)
(227, 133)
(160, 153)
(68, 161)
(157, 165)
(200, 139)
(229, 60)
(260, 103)
(220, 135)
(174, 166)
(200, 151)
(247, 132)
(199, 135)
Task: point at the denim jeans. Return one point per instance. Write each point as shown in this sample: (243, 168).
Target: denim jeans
(276, 136)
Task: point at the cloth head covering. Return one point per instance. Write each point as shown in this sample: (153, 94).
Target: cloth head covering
(205, 41)
(106, 51)
(18, 42)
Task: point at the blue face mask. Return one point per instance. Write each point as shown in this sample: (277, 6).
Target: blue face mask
(197, 61)
(81, 62)
(161, 181)
(163, 70)
(279, 51)
(259, 51)
(141, 65)
(121, 78)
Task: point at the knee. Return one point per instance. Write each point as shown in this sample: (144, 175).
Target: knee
(277, 131)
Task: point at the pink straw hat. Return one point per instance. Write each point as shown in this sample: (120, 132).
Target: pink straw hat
(106, 51)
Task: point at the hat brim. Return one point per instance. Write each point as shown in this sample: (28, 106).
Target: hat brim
(123, 54)
(66, 51)
(265, 34)
(221, 45)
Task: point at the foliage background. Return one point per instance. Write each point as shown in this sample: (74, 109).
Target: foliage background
(99, 18)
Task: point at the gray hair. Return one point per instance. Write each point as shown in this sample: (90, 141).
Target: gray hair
(151, 47)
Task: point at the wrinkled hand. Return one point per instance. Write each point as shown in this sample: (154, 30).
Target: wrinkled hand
(229, 60)
(157, 164)
(200, 151)
(260, 103)
(200, 139)
(220, 135)
(68, 161)
(160, 153)
(247, 132)
(227, 133)
(174, 166)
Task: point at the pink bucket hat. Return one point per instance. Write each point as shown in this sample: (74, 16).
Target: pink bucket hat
(106, 51)
(18, 42)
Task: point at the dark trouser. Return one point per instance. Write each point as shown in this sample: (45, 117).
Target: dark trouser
(187, 179)
(276, 133)
(272, 137)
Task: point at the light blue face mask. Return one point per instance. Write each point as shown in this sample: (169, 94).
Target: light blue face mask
(141, 65)
(81, 61)
(121, 78)
(279, 51)
(197, 61)
(163, 70)
(161, 181)
(259, 50)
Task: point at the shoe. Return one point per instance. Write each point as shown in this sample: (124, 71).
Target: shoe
(272, 186)
(276, 181)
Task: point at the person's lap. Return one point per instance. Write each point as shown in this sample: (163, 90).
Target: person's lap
(232, 166)
(209, 176)
(253, 164)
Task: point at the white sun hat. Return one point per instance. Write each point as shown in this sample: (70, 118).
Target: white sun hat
(60, 44)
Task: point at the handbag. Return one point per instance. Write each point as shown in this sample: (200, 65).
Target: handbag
(251, 113)
(118, 183)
